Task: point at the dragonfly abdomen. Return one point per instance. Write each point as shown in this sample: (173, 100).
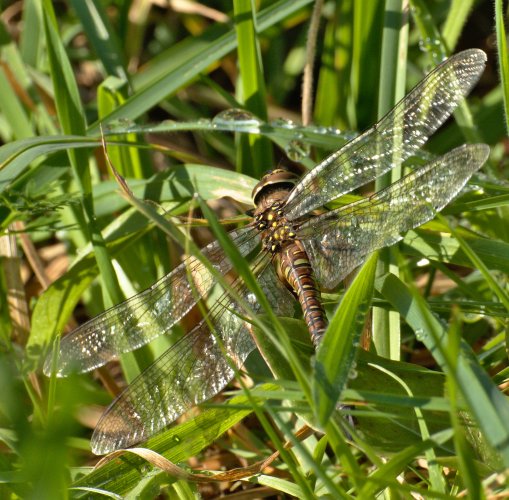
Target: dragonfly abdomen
(296, 270)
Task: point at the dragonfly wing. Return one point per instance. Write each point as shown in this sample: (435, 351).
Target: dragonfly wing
(190, 372)
(349, 233)
(142, 318)
(396, 137)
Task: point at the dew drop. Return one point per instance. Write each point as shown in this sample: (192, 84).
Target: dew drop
(168, 123)
(283, 123)
(471, 317)
(237, 120)
(353, 373)
(419, 334)
(296, 150)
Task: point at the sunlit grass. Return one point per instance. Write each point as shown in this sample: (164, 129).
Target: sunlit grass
(429, 431)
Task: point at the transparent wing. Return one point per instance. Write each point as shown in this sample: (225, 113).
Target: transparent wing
(142, 318)
(396, 137)
(196, 368)
(346, 235)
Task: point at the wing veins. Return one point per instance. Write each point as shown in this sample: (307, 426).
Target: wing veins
(417, 116)
(163, 371)
(143, 317)
(337, 241)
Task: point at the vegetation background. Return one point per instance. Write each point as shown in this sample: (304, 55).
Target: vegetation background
(160, 79)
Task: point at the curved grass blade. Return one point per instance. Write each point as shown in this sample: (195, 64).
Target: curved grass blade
(336, 353)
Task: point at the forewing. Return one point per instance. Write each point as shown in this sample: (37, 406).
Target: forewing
(193, 370)
(338, 241)
(396, 137)
(142, 318)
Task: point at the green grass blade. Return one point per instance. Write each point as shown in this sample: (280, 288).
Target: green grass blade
(392, 468)
(368, 24)
(72, 121)
(433, 44)
(14, 82)
(393, 57)
(12, 110)
(67, 98)
(430, 38)
(129, 161)
(466, 461)
(16, 156)
(333, 90)
(254, 154)
(456, 18)
(31, 34)
(386, 334)
(503, 57)
(96, 24)
(337, 351)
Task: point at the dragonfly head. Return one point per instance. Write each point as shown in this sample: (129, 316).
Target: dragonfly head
(274, 184)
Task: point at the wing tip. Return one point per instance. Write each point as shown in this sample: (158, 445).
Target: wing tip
(478, 153)
(478, 53)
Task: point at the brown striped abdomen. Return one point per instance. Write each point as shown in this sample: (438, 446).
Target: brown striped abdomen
(295, 270)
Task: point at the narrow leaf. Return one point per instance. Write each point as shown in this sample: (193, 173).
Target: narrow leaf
(337, 351)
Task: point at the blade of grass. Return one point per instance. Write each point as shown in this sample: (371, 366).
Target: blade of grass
(456, 18)
(101, 36)
(339, 346)
(16, 156)
(435, 473)
(307, 77)
(431, 39)
(30, 47)
(393, 57)
(131, 161)
(254, 153)
(332, 489)
(13, 111)
(72, 121)
(279, 484)
(333, 90)
(434, 45)
(469, 474)
(393, 468)
(368, 25)
(503, 57)
(386, 324)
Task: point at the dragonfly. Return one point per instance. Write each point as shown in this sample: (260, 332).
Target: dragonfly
(296, 246)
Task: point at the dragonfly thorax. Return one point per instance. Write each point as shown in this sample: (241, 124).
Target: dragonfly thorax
(275, 228)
